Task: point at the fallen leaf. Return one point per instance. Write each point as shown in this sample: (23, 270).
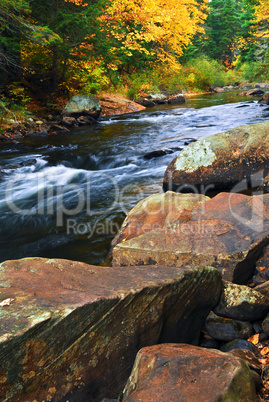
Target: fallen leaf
(264, 351)
(264, 361)
(262, 268)
(6, 302)
(254, 339)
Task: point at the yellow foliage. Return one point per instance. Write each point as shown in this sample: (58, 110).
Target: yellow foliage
(262, 17)
(168, 25)
(77, 2)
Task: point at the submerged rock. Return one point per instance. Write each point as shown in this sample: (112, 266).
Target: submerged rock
(157, 153)
(183, 373)
(236, 160)
(228, 232)
(71, 331)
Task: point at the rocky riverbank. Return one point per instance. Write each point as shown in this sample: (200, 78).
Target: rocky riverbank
(79, 111)
(106, 105)
(229, 232)
(186, 303)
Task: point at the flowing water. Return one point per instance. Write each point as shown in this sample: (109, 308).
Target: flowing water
(66, 196)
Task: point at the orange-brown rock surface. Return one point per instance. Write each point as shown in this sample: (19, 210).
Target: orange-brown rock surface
(185, 373)
(228, 232)
(71, 331)
(158, 211)
(113, 105)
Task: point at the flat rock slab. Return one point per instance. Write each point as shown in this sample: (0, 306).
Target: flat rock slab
(185, 373)
(228, 232)
(235, 159)
(71, 331)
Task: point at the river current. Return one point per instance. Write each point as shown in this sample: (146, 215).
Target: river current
(66, 196)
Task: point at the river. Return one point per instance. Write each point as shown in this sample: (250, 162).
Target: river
(66, 196)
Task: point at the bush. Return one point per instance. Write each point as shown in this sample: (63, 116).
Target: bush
(17, 94)
(255, 70)
(207, 73)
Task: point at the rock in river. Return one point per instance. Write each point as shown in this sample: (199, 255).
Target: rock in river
(228, 232)
(265, 98)
(252, 92)
(233, 160)
(71, 331)
(185, 373)
(81, 105)
(156, 212)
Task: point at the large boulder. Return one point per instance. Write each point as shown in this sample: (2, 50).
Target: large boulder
(82, 105)
(235, 159)
(228, 232)
(158, 211)
(71, 331)
(184, 373)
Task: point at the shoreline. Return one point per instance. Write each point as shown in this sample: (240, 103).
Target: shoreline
(111, 104)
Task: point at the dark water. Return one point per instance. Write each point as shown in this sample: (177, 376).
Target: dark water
(66, 196)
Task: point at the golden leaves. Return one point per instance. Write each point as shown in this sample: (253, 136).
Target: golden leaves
(254, 339)
(164, 26)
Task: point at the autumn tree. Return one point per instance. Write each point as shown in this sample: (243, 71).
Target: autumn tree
(54, 37)
(262, 28)
(150, 29)
(70, 22)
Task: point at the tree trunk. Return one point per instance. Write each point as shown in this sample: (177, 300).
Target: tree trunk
(54, 71)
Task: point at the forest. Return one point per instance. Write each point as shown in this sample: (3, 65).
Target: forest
(52, 50)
